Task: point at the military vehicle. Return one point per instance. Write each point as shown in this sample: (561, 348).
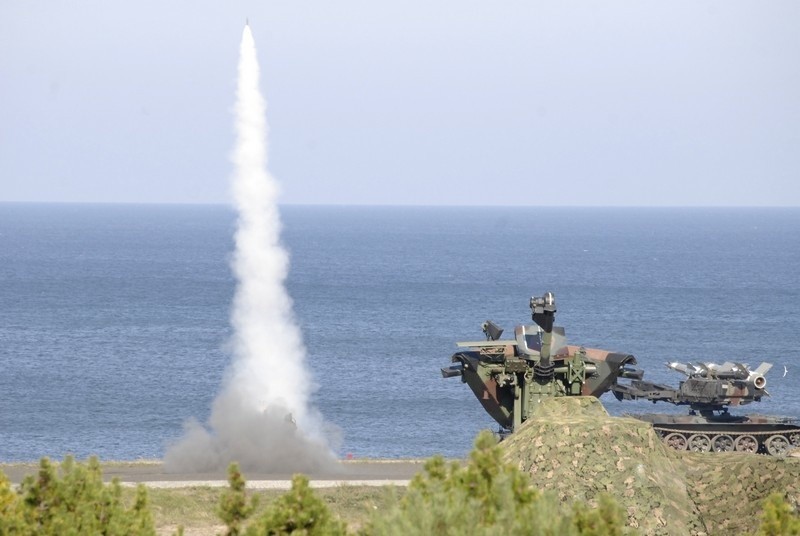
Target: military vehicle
(510, 376)
(710, 390)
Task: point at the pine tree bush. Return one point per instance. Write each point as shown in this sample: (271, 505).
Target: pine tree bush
(12, 520)
(488, 496)
(234, 508)
(298, 512)
(71, 501)
(777, 518)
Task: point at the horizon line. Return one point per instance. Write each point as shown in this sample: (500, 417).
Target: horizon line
(390, 205)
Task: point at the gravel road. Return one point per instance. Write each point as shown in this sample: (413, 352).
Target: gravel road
(151, 473)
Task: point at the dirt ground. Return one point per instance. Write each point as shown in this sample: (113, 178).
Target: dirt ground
(359, 472)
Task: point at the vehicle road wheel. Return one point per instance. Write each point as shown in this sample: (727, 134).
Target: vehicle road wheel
(723, 443)
(794, 439)
(699, 443)
(746, 443)
(676, 441)
(777, 445)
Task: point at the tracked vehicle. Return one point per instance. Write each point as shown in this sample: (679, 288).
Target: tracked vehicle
(710, 390)
(511, 376)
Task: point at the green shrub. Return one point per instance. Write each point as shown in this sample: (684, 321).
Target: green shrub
(487, 496)
(299, 511)
(777, 518)
(74, 502)
(234, 508)
(12, 520)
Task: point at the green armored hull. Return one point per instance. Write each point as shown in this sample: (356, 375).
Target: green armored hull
(511, 376)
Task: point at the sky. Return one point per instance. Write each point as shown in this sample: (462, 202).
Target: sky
(435, 102)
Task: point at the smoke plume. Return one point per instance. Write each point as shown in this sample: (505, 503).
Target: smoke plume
(262, 417)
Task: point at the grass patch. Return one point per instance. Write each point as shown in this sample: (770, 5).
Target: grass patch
(196, 508)
(355, 504)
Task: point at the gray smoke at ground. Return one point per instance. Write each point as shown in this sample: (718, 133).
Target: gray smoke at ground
(262, 417)
(258, 440)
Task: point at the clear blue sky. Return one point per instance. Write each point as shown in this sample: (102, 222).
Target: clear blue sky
(453, 102)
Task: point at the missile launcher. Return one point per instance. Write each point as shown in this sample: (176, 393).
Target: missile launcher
(710, 390)
(511, 376)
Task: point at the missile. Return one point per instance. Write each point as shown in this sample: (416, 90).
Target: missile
(763, 368)
(725, 371)
(679, 367)
(757, 376)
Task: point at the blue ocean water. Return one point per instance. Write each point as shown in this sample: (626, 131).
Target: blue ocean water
(114, 318)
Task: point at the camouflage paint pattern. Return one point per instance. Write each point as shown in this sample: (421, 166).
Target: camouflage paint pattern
(510, 377)
(708, 386)
(709, 390)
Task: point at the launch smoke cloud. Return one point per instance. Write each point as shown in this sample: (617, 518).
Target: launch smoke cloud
(262, 417)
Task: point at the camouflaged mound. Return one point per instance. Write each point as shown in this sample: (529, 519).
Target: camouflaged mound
(574, 448)
(728, 488)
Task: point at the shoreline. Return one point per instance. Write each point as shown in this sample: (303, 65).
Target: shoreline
(356, 472)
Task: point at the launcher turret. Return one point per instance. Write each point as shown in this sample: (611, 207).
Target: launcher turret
(510, 376)
(708, 387)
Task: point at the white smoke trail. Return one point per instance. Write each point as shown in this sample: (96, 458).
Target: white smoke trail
(268, 384)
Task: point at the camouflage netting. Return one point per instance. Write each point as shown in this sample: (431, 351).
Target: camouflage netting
(573, 447)
(728, 488)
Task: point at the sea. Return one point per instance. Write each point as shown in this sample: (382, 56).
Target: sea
(114, 319)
